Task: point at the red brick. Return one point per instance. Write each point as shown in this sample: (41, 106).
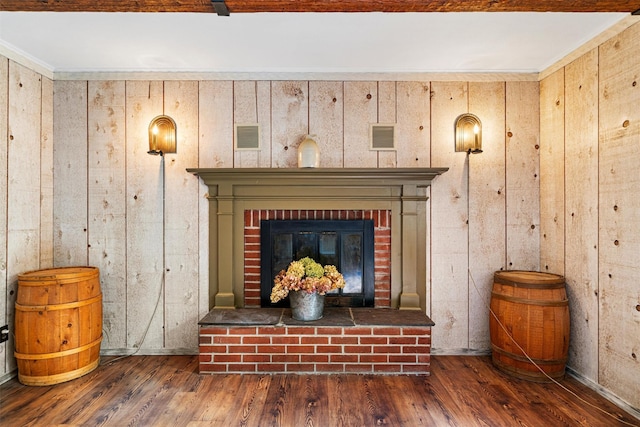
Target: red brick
(300, 349)
(285, 340)
(212, 368)
(329, 349)
(344, 340)
(424, 358)
(226, 358)
(204, 358)
(213, 349)
(357, 331)
(301, 330)
(424, 340)
(314, 340)
(256, 340)
(374, 340)
(256, 358)
(374, 358)
(386, 349)
(213, 331)
(271, 330)
(242, 331)
(205, 340)
(357, 349)
(314, 358)
(402, 340)
(415, 349)
(402, 359)
(329, 331)
(244, 367)
(247, 218)
(386, 331)
(416, 331)
(252, 232)
(227, 340)
(286, 358)
(280, 349)
(344, 358)
(271, 367)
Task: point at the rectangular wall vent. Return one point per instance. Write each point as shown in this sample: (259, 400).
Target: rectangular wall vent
(247, 137)
(382, 137)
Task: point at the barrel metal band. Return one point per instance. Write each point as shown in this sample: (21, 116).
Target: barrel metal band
(65, 306)
(543, 303)
(557, 285)
(524, 359)
(69, 352)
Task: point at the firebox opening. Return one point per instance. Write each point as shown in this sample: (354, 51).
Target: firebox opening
(347, 244)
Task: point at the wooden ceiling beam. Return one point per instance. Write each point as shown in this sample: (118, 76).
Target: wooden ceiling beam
(256, 6)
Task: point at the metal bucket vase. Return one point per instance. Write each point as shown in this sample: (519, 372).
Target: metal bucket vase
(306, 306)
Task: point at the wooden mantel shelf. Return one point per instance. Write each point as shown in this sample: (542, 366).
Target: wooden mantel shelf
(234, 191)
(325, 176)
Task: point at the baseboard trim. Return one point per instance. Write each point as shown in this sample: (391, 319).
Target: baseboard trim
(8, 376)
(459, 352)
(604, 392)
(149, 352)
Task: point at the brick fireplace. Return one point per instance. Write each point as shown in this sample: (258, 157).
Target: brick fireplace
(238, 336)
(382, 246)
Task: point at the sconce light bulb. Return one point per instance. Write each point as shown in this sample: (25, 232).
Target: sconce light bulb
(155, 130)
(476, 129)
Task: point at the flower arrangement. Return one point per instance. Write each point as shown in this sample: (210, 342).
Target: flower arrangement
(307, 275)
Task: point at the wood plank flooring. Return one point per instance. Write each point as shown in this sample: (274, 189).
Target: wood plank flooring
(168, 391)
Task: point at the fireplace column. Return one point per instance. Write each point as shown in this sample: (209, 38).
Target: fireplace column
(221, 231)
(411, 266)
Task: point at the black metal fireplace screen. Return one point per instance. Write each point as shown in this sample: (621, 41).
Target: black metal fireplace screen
(347, 244)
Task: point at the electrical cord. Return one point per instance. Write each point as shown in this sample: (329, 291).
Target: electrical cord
(553, 380)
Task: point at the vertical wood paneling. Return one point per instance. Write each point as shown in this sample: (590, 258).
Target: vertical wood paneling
(215, 149)
(413, 124)
(581, 215)
(46, 175)
(252, 105)
(487, 219)
(522, 175)
(619, 261)
(449, 215)
(360, 110)
(145, 231)
(216, 124)
(70, 165)
(387, 107)
(180, 222)
(326, 121)
(5, 298)
(290, 121)
(552, 176)
(23, 182)
(107, 203)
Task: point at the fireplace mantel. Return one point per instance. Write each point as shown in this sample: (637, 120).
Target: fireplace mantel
(232, 191)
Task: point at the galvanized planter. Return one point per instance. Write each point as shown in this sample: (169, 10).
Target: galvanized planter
(306, 306)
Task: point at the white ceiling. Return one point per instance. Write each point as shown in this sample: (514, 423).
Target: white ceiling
(298, 42)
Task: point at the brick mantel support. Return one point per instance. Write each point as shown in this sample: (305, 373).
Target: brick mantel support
(400, 190)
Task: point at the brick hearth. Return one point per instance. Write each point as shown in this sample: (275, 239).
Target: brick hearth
(345, 340)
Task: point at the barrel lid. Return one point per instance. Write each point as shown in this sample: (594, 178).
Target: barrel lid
(529, 277)
(59, 273)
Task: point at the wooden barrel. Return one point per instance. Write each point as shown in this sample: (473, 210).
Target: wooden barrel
(534, 310)
(58, 324)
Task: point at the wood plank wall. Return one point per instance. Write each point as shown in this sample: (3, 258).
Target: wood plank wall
(590, 187)
(26, 185)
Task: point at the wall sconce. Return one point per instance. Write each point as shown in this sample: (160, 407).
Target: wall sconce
(162, 135)
(308, 153)
(468, 131)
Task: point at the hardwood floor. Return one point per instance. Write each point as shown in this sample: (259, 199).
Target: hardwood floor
(168, 391)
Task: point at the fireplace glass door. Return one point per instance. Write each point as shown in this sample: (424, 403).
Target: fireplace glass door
(347, 244)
